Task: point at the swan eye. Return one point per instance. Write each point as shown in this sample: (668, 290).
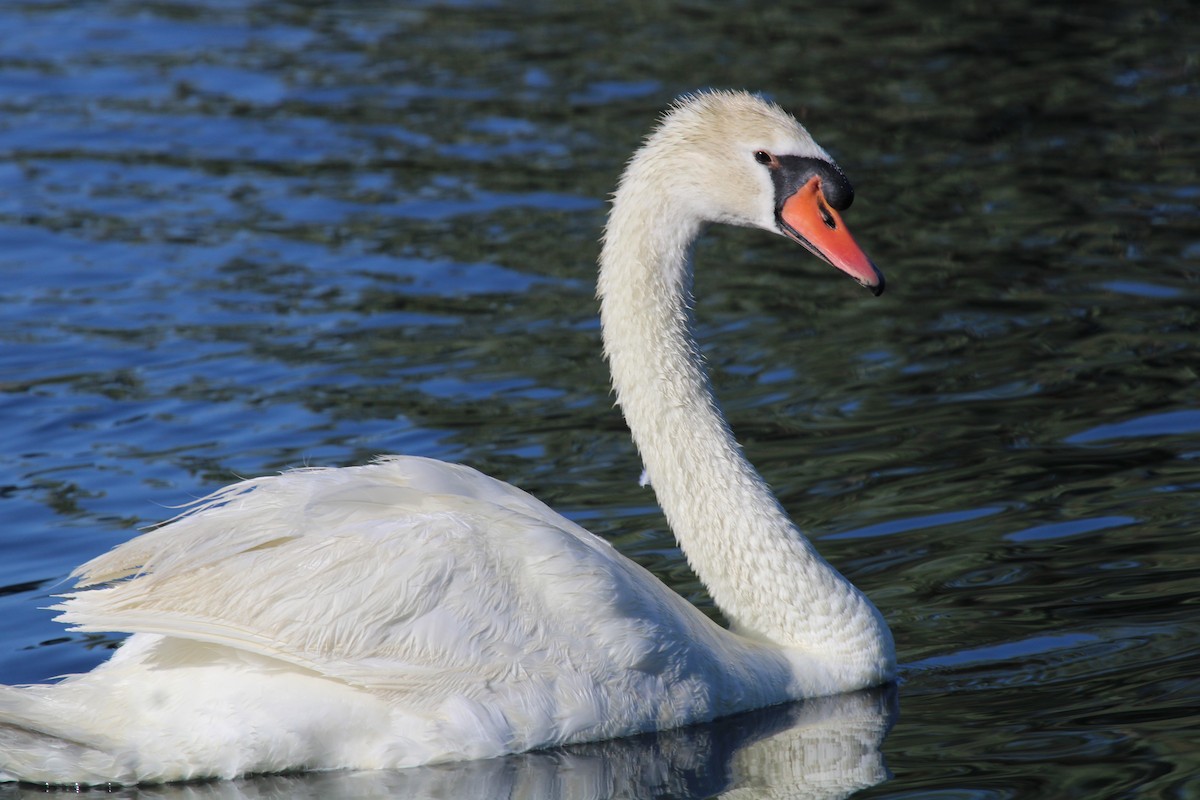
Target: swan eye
(763, 157)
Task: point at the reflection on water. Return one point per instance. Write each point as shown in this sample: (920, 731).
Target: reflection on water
(818, 750)
(238, 237)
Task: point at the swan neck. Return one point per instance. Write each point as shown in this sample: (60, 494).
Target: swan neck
(720, 510)
(762, 573)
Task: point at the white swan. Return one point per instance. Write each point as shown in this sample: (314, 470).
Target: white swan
(411, 611)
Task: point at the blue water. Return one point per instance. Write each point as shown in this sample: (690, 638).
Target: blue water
(237, 238)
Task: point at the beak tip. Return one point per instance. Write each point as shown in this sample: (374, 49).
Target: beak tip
(878, 284)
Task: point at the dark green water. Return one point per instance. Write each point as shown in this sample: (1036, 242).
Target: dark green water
(238, 237)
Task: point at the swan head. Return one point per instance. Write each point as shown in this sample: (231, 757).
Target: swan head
(733, 157)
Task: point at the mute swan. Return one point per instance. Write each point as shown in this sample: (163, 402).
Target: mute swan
(410, 611)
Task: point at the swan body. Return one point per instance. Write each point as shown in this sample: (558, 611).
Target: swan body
(410, 611)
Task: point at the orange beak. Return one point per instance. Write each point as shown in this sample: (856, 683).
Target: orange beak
(806, 217)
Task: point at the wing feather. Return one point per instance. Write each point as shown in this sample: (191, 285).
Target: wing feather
(388, 576)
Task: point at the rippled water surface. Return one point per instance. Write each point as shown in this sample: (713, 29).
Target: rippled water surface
(240, 237)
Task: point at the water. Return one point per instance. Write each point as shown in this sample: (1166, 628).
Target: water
(236, 238)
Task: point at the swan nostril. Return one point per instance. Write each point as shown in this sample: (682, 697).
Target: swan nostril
(827, 217)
